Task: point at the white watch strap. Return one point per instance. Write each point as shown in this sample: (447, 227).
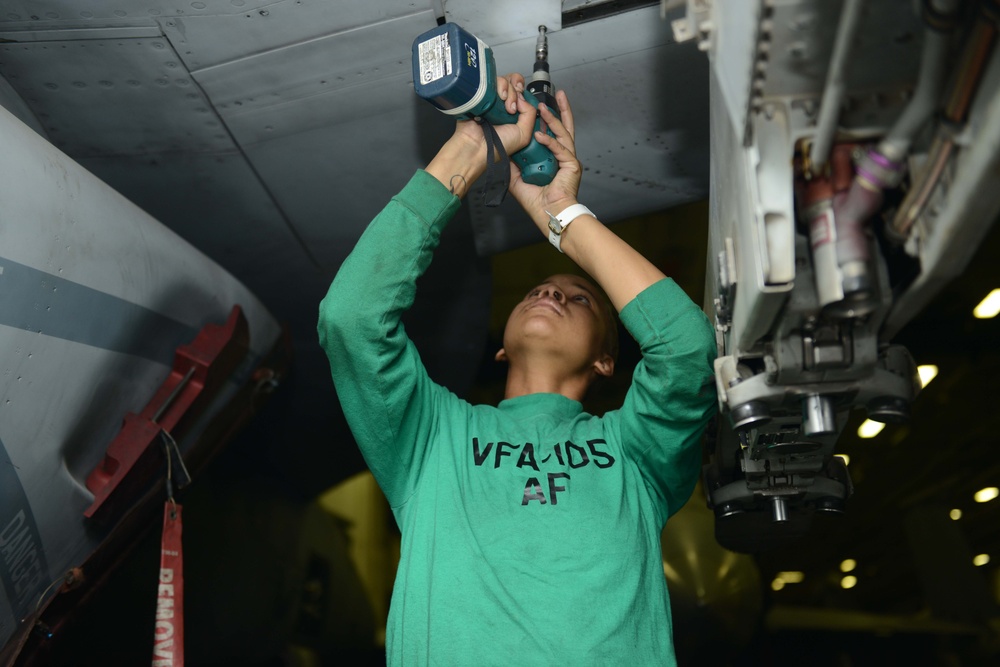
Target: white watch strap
(559, 223)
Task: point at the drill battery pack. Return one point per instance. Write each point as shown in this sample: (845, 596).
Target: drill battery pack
(454, 71)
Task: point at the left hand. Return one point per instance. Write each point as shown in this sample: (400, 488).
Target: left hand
(562, 191)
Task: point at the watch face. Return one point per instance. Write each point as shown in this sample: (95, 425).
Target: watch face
(554, 225)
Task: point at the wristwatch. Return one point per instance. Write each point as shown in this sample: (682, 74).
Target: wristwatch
(559, 223)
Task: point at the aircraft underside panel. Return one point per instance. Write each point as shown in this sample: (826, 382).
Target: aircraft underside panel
(97, 296)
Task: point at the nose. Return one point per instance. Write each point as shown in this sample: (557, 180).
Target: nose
(553, 291)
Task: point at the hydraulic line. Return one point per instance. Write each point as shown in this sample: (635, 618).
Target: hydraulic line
(971, 69)
(848, 279)
(896, 145)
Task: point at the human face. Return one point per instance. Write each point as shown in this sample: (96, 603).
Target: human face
(564, 315)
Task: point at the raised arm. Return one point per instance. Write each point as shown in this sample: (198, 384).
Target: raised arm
(672, 395)
(387, 397)
(620, 270)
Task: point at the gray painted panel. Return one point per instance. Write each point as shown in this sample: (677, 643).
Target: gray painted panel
(12, 102)
(205, 41)
(224, 211)
(213, 201)
(592, 43)
(330, 109)
(733, 52)
(46, 304)
(113, 97)
(500, 22)
(81, 33)
(643, 147)
(334, 161)
(84, 231)
(885, 53)
(23, 566)
(332, 63)
(85, 259)
(21, 14)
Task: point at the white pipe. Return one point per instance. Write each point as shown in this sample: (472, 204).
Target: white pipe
(833, 93)
(897, 143)
(966, 216)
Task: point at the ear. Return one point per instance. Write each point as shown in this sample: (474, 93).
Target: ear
(501, 355)
(605, 365)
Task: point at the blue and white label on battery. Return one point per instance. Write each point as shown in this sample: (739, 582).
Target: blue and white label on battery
(435, 58)
(472, 55)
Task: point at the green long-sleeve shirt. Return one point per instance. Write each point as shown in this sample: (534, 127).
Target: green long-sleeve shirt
(530, 530)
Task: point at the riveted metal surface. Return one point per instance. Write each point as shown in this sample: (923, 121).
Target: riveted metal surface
(12, 102)
(96, 297)
(207, 40)
(94, 13)
(788, 54)
(501, 22)
(113, 96)
(642, 147)
(246, 236)
(317, 82)
(33, 33)
(733, 52)
(885, 52)
(336, 183)
(251, 122)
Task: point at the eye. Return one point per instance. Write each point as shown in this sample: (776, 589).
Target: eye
(582, 299)
(534, 292)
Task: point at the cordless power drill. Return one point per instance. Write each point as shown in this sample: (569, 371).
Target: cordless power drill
(455, 71)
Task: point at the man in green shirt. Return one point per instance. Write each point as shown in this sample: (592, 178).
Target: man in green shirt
(530, 530)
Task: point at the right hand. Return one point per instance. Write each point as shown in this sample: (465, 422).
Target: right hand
(462, 159)
(514, 136)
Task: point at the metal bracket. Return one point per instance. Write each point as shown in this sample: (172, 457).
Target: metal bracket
(132, 459)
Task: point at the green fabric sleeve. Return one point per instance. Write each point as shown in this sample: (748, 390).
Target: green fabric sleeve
(388, 399)
(672, 395)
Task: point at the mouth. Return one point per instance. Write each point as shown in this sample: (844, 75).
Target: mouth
(547, 302)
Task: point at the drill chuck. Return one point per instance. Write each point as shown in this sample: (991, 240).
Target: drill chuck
(542, 50)
(541, 84)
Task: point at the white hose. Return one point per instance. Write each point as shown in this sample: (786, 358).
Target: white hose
(833, 92)
(897, 143)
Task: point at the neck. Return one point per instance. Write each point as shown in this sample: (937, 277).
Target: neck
(522, 381)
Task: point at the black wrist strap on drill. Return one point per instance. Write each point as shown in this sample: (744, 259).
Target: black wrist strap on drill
(497, 171)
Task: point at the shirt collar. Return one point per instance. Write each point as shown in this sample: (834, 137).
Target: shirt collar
(535, 405)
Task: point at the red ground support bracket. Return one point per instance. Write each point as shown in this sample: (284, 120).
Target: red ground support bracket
(134, 459)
